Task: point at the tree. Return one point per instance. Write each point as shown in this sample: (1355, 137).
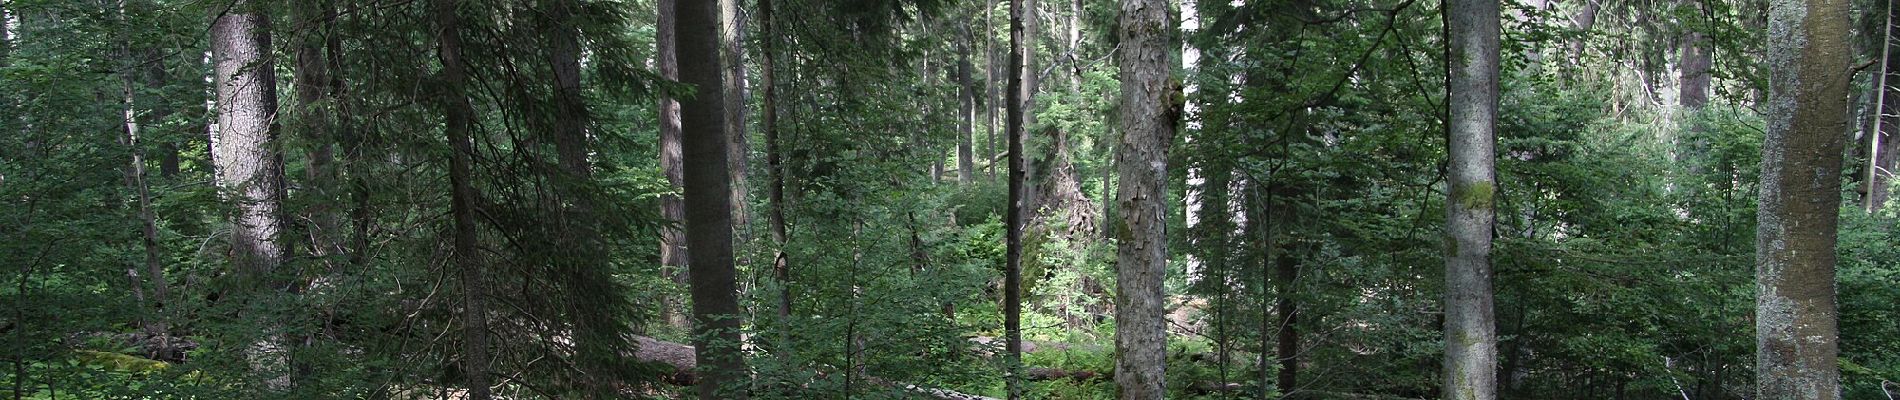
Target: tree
(250, 168)
(1021, 90)
(673, 256)
(1795, 316)
(966, 96)
(1470, 335)
(1150, 102)
(458, 119)
(706, 141)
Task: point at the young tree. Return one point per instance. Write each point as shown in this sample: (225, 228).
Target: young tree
(1470, 336)
(706, 142)
(1021, 88)
(458, 119)
(250, 167)
(1796, 322)
(1148, 116)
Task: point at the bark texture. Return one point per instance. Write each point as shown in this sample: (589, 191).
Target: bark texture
(1147, 125)
(1796, 320)
(966, 95)
(673, 256)
(250, 167)
(1470, 334)
(1017, 100)
(706, 141)
(458, 120)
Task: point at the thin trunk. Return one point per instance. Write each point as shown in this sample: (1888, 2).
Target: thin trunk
(1018, 98)
(707, 142)
(1796, 321)
(1149, 114)
(966, 97)
(781, 266)
(673, 256)
(250, 169)
(458, 119)
(1470, 335)
(991, 71)
(1876, 179)
(154, 322)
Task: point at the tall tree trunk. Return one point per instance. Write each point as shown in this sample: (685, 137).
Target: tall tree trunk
(458, 118)
(588, 280)
(673, 256)
(1149, 111)
(1470, 335)
(966, 97)
(1020, 90)
(775, 200)
(992, 72)
(311, 79)
(732, 38)
(708, 190)
(1796, 320)
(250, 168)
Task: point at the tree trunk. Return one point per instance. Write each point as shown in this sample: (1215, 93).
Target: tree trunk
(1287, 341)
(707, 143)
(1470, 336)
(1796, 320)
(775, 200)
(588, 279)
(1149, 112)
(966, 97)
(250, 168)
(312, 81)
(1697, 58)
(154, 323)
(1585, 19)
(458, 119)
(673, 256)
(991, 71)
(1878, 167)
(732, 38)
(1018, 98)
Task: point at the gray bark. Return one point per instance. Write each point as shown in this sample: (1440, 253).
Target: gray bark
(1470, 335)
(775, 201)
(458, 119)
(154, 323)
(673, 255)
(1148, 119)
(1697, 58)
(707, 142)
(1796, 319)
(732, 35)
(250, 167)
(1880, 141)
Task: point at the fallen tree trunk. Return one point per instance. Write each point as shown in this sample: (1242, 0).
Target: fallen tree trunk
(680, 357)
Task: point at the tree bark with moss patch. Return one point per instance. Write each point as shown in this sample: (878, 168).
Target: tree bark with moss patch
(1470, 335)
(1796, 320)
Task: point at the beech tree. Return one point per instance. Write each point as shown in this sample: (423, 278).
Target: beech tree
(1797, 321)
(1470, 204)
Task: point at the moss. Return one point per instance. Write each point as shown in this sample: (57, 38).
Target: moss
(121, 362)
(1474, 195)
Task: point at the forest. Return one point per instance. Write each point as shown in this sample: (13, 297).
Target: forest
(949, 199)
